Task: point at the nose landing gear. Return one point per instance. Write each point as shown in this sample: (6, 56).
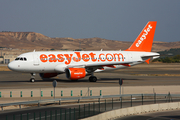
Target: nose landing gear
(32, 77)
(32, 80)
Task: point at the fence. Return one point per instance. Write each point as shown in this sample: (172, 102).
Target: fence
(50, 93)
(104, 103)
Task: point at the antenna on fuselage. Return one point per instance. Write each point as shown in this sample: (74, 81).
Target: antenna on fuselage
(34, 50)
(101, 49)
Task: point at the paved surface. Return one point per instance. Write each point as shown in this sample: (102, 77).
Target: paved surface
(167, 115)
(140, 75)
(144, 78)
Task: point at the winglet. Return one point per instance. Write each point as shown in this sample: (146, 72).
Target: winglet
(145, 39)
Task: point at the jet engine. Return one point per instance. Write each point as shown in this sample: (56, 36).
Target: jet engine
(47, 75)
(75, 73)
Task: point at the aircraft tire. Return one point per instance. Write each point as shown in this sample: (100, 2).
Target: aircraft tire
(32, 80)
(92, 78)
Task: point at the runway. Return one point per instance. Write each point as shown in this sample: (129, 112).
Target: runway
(140, 75)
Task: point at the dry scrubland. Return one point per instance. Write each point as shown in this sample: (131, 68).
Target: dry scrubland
(4, 68)
(31, 40)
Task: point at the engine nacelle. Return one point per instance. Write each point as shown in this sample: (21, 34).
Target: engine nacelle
(75, 73)
(47, 75)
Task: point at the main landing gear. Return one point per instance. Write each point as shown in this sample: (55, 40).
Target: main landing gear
(32, 77)
(92, 78)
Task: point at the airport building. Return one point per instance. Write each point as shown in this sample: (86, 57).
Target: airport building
(7, 59)
(1, 60)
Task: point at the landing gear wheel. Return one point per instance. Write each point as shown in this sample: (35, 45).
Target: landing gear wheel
(92, 78)
(32, 80)
(32, 77)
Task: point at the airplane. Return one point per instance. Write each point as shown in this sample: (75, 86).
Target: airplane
(79, 64)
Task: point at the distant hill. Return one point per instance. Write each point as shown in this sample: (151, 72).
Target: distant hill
(32, 40)
(170, 52)
(169, 56)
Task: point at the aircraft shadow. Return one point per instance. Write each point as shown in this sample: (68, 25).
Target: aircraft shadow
(115, 79)
(47, 80)
(68, 81)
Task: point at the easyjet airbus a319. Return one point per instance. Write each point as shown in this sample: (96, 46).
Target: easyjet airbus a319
(79, 64)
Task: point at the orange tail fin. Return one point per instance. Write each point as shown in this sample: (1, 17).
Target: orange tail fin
(145, 39)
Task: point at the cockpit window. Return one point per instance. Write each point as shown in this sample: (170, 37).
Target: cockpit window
(21, 58)
(17, 58)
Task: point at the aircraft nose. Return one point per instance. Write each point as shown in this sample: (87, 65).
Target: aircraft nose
(12, 66)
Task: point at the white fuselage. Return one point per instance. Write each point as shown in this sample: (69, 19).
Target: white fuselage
(58, 61)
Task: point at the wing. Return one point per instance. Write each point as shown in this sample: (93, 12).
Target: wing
(94, 66)
(100, 64)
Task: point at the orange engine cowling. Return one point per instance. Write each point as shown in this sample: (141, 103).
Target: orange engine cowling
(75, 73)
(47, 75)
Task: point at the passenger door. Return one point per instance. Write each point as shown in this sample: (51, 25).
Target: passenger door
(35, 60)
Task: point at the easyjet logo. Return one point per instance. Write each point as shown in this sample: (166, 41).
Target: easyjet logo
(77, 57)
(79, 73)
(143, 37)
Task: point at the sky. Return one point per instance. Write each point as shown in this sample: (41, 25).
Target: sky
(120, 20)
